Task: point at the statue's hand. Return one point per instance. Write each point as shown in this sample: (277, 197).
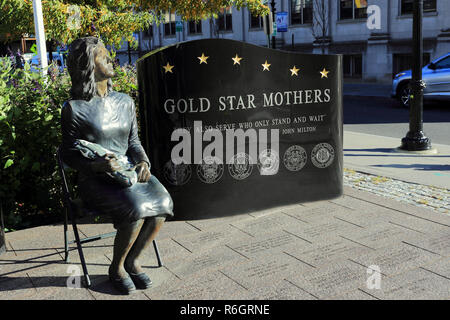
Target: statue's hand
(143, 172)
(106, 164)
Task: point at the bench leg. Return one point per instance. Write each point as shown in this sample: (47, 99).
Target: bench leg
(66, 240)
(80, 252)
(157, 254)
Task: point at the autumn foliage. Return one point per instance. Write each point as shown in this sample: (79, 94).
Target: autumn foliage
(112, 20)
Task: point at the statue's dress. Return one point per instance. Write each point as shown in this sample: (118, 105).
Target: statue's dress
(111, 122)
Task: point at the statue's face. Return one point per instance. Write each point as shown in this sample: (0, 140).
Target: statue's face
(103, 64)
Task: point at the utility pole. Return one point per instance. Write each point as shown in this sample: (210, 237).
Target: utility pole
(40, 35)
(415, 139)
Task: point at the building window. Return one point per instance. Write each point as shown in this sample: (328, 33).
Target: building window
(301, 11)
(353, 66)
(352, 9)
(169, 24)
(406, 6)
(195, 27)
(148, 33)
(256, 22)
(225, 21)
(403, 61)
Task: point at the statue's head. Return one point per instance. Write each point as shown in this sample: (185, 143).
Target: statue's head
(88, 61)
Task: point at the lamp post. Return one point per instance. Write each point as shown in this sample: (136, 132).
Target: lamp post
(415, 139)
(274, 19)
(40, 35)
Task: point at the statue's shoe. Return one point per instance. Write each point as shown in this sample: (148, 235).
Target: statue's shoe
(141, 280)
(123, 285)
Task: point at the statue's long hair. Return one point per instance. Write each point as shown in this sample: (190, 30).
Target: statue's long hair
(80, 64)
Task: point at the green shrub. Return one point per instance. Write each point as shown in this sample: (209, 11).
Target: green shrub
(30, 132)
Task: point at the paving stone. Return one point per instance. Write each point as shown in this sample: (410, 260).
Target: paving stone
(45, 237)
(90, 230)
(440, 267)
(213, 259)
(169, 250)
(393, 260)
(206, 224)
(354, 295)
(417, 284)
(349, 201)
(204, 240)
(401, 208)
(314, 211)
(321, 231)
(278, 290)
(208, 286)
(264, 246)
(172, 229)
(262, 213)
(438, 242)
(257, 273)
(28, 260)
(321, 254)
(331, 280)
(266, 224)
(17, 287)
(63, 294)
(418, 224)
(382, 235)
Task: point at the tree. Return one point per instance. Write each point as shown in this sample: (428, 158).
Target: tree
(320, 23)
(112, 20)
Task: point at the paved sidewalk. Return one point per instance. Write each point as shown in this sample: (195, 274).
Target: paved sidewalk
(377, 155)
(320, 250)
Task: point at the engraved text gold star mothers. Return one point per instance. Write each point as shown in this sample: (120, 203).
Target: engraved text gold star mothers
(237, 60)
(203, 59)
(168, 68)
(266, 66)
(294, 71)
(324, 73)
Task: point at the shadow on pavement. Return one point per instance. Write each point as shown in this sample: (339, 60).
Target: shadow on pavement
(379, 110)
(391, 151)
(422, 167)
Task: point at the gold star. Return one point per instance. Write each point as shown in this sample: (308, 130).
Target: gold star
(324, 73)
(266, 66)
(236, 60)
(168, 68)
(294, 71)
(203, 59)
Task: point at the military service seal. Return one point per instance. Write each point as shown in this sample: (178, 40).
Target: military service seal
(295, 158)
(210, 170)
(322, 155)
(240, 167)
(177, 174)
(268, 162)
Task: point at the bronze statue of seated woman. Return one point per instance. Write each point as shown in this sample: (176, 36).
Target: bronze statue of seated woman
(103, 119)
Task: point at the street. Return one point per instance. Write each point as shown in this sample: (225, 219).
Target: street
(386, 117)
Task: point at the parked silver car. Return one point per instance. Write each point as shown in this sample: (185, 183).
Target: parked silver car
(436, 75)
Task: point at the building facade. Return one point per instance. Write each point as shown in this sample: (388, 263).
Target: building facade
(371, 53)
